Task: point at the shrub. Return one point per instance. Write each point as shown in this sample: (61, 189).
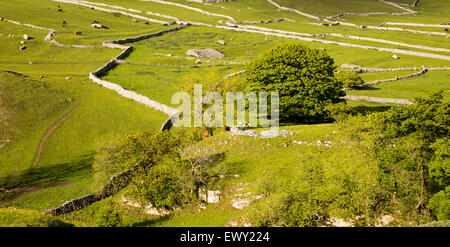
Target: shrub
(14, 217)
(303, 77)
(108, 215)
(340, 111)
(160, 186)
(349, 79)
(440, 204)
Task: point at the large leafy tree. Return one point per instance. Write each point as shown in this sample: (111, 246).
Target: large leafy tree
(410, 144)
(304, 78)
(413, 150)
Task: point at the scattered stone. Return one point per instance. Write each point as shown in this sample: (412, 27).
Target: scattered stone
(274, 133)
(201, 207)
(349, 66)
(41, 76)
(148, 209)
(22, 42)
(30, 62)
(222, 42)
(384, 220)
(209, 196)
(243, 200)
(236, 131)
(340, 223)
(205, 53)
(25, 37)
(23, 48)
(395, 56)
(68, 78)
(240, 203)
(198, 61)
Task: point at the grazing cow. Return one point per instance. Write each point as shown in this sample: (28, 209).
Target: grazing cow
(446, 30)
(225, 128)
(77, 33)
(205, 134)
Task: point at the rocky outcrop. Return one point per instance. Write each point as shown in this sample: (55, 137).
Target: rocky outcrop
(209, 196)
(205, 53)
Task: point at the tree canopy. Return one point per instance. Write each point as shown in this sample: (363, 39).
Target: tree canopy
(304, 77)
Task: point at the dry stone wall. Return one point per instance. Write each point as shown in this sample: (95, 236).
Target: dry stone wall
(423, 71)
(393, 50)
(73, 205)
(369, 70)
(379, 100)
(118, 44)
(92, 6)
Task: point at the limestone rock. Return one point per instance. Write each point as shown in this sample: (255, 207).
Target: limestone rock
(205, 53)
(395, 56)
(26, 37)
(209, 196)
(23, 48)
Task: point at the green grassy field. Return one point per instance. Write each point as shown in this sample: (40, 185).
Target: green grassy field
(30, 105)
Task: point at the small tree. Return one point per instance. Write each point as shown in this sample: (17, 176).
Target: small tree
(108, 215)
(160, 186)
(303, 77)
(349, 79)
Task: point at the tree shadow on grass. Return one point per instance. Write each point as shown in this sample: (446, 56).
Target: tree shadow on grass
(364, 109)
(43, 177)
(365, 88)
(152, 222)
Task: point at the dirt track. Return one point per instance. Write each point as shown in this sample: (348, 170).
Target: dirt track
(48, 133)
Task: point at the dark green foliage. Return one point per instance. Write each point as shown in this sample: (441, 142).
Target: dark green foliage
(108, 215)
(410, 139)
(304, 78)
(349, 79)
(160, 186)
(340, 111)
(140, 149)
(150, 160)
(440, 204)
(443, 223)
(324, 190)
(411, 146)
